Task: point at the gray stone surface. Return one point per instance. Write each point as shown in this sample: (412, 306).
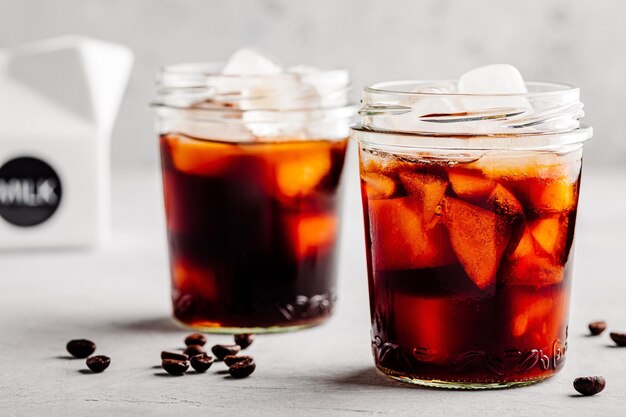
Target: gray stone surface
(118, 296)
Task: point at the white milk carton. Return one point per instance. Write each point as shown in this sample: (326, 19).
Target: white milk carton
(58, 103)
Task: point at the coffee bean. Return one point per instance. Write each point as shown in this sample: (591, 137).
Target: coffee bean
(244, 340)
(80, 348)
(202, 362)
(232, 359)
(589, 385)
(597, 327)
(195, 339)
(174, 355)
(193, 350)
(619, 338)
(221, 351)
(242, 369)
(175, 367)
(98, 363)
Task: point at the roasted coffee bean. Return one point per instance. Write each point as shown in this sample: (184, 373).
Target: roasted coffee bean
(597, 327)
(244, 340)
(242, 369)
(221, 351)
(80, 348)
(193, 350)
(589, 385)
(98, 363)
(195, 339)
(175, 367)
(174, 355)
(232, 359)
(202, 362)
(619, 338)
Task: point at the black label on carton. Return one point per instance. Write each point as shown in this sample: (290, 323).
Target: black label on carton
(30, 191)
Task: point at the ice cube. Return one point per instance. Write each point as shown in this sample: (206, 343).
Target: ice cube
(554, 195)
(264, 88)
(312, 233)
(193, 280)
(551, 234)
(385, 164)
(470, 185)
(252, 61)
(504, 202)
(200, 157)
(400, 239)
(492, 79)
(479, 238)
(434, 101)
(519, 165)
(530, 313)
(299, 166)
(331, 86)
(378, 186)
(428, 189)
(531, 269)
(525, 246)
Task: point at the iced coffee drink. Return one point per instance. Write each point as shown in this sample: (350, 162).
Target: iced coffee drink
(470, 192)
(252, 155)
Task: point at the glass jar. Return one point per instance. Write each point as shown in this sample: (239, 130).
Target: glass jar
(469, 204)
(251, 168)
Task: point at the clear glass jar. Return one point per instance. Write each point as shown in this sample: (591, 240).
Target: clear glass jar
(251, 167)
(470, 204)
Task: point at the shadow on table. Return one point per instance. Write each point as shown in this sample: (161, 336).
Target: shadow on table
(370, 377)
(159, 324)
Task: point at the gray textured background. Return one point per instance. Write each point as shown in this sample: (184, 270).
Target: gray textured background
(580, 42)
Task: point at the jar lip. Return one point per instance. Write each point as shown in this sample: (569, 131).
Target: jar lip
(535, 89)
(202, 86)
(210, 69)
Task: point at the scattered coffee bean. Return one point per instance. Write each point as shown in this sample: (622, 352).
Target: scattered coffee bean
(98, 363)
(175, 367)
(202, 362)
(195, 339)
(193, 350)
(242, 369)
(80, 348)
(597, 327)
(221, 351)
(174, 355)
(232, 359)
(244, 340)
(589, 385)
(619, 338)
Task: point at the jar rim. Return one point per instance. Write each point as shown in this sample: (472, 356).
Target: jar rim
(201, 86)
(212, 69)
(535, 89)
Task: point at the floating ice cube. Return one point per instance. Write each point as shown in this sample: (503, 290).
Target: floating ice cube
(331, 86)
(483, 101)
(277, 102)
(434, 99)
(252, 61)
(437, 87)
(492, 79)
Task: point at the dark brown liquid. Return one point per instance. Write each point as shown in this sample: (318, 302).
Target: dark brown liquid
(469, 271)
(252, 229)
